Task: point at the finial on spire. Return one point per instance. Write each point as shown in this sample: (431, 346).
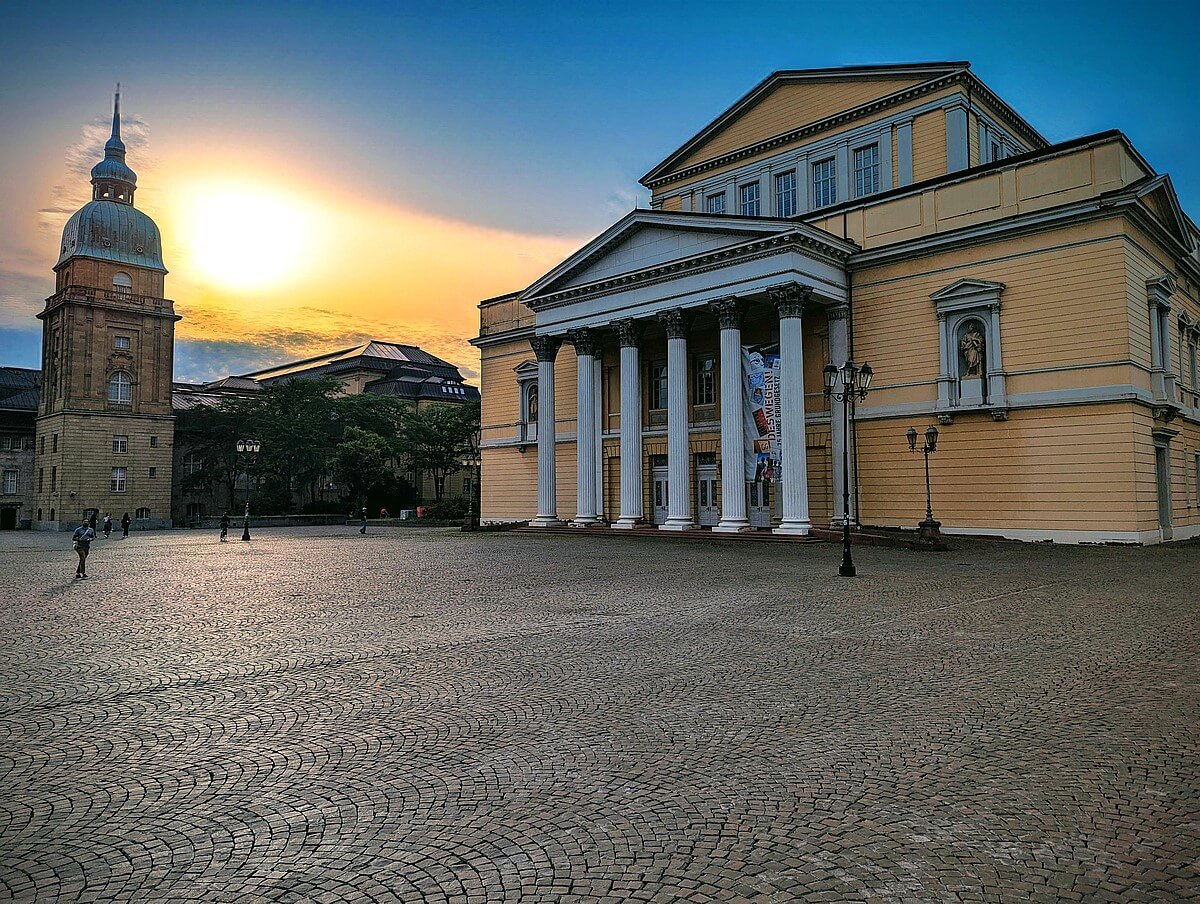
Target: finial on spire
(116, 128)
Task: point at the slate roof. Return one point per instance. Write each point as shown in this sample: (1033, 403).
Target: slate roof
(20, 388)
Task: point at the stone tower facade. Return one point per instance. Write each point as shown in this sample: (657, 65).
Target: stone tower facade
(105, 428)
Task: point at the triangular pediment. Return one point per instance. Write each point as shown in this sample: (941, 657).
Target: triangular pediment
(526, 369)
(644, 239)
(1158, 196)
(967, 288)
(791, 99)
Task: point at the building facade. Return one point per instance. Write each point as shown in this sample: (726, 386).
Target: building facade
(1038, 303)
(105, 427)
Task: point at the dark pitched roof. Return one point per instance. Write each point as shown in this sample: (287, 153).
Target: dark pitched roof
(20, 388)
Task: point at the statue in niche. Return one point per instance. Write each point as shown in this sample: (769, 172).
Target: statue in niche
(971, 347)
(531, 410)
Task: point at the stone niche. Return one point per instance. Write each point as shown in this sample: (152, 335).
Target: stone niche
(970, 375)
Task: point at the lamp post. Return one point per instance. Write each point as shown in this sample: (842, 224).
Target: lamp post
(471, 521)
(928, 530)
(847, 384)
(247, 447)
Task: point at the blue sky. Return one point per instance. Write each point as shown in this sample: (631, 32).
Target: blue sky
(522, 119)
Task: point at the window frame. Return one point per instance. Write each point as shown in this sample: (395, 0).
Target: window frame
(704, 381)
(120, 444)
(824, 182)
(115, 382)
(127, 340)
(790, 194)
(745, 202)
(715, 200)
(874, 170)
(658, 386)
(15, 475)
(119, 481)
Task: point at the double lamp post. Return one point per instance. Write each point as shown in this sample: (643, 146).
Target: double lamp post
(248, 447)
(847, 384)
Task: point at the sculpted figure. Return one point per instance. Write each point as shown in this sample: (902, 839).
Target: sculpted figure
(971, 346)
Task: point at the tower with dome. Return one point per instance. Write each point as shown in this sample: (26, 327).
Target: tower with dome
(105, 428)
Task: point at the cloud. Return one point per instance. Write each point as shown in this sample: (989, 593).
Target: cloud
(68, 196)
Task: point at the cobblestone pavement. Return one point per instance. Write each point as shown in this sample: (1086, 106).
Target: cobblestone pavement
(422, 715)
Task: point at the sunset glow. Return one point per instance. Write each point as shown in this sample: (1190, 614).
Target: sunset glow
(248, 236)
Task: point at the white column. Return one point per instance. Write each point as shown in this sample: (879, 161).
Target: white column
(545, 348)
(585, 428)
(631, 426)
(598, 367)
(679, 471)
(839, 353)
(789, 301)
(733, 424)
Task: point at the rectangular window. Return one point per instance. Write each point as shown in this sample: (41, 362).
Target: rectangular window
(54, 443)
(785, 194)
(54, 478)
(824, 174)
(706, 369)
(6, 443)
(153, 473)
(121, 342)
(750, 204)
(715, 203)
(42, 445)
(153, 442)
(118, 480)
(1193, 366)
(658, 386)
(10, 483)
(866, 170)
(997, 151)
(41, 478)
(120, 444)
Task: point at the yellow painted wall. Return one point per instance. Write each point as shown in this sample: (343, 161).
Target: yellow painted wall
(929, 145)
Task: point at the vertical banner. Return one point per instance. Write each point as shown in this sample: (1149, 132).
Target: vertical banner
(760, 393)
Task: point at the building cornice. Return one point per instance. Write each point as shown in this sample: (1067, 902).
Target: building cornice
(660, 175)
(837, 253)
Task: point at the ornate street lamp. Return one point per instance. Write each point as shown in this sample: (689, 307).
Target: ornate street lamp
(471, 521)
(847, 384)
(928, 529)
(247, 447)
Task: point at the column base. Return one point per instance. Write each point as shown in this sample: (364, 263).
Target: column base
(547, 521)
(678, 524)
(626, 524)
(793, 528)
(585, 521)
(732, 527)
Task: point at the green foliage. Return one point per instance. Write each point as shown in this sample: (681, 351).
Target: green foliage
(362, 462)
(452, 508)
(437, 438)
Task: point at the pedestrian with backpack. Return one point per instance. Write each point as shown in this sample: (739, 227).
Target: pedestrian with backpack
(82, 541)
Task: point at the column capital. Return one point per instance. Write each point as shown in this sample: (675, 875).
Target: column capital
(674, 323)
(586, 342)
(789, 300)
(838, 312)
(545, 348)
(629, 332)
(728, 312)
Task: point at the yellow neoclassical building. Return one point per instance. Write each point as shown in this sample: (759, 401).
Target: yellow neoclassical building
(1037, 302)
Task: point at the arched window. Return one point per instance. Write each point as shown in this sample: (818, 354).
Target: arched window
(122, 283)
(142, 514)
(120, 388)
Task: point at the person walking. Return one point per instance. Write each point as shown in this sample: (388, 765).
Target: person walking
(362, 525)
(83, 537)
(125, 522)
(108, 525)
(224, 526)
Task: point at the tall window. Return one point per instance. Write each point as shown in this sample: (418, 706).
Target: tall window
(53, 480)
(750, 204)
(10, 483)
(785, 194)
(1194, 365)
(706, 369)
(120, 388)
(120, 444)
(118, 480)
(715, 203)
(658, 386)
(122, 284)
(824, 183)
(866, 170)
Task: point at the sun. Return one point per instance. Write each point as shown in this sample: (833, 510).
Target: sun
(249, 235)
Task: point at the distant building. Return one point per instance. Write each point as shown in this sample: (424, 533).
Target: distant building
(104, 427)
(1038, 302)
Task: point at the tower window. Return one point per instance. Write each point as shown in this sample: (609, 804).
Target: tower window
(121, 342)
(122, 283)
(120, 388)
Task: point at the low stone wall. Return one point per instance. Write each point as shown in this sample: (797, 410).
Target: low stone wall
(213, 522)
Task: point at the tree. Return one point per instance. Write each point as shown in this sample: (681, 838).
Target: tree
(362, 462)
(211, 437)
(435, 439)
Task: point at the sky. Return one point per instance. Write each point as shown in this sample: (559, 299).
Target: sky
(325, 173)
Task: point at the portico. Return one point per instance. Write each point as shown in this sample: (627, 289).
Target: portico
(663, 290)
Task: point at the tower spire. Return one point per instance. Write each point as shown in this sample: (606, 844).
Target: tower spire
(112, 179)
(114, 142)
